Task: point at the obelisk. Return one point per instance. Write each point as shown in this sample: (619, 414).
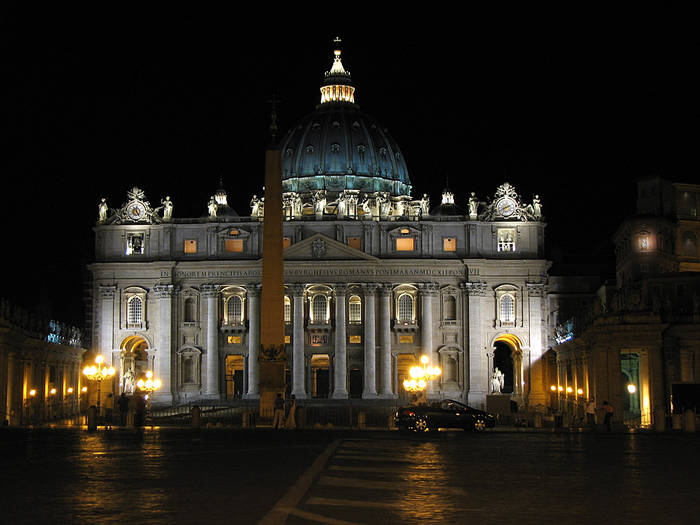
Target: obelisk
(272, 353)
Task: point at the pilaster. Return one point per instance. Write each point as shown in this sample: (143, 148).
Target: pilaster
(210, 292)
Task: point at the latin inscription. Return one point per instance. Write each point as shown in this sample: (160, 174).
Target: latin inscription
(318, 272)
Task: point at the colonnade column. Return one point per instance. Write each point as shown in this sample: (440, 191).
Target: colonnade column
(535, 293)
(369, 386)
(478, 370)
(253, 292)
(385, 385)
(428, 291)
(211, 294)
(340, 373)
(298, 342)
(164, 296)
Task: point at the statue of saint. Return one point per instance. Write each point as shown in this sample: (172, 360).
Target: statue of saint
(129, 382)
(473, 206)
(102, 210)
(254, 206)
(496, 381)
(167, 208)
(536, 207)
(425, 205)
(211, 206)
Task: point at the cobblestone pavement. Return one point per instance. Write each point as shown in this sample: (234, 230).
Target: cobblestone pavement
(234, 476)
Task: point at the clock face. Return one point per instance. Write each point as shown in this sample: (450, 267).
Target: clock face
(136, 211)
(506, 207)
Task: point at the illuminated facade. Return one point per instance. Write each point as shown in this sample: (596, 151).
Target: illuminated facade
(637, 345)
(374, 278)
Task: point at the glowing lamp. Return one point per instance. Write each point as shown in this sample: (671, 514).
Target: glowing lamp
(553, 388)
(631, 388)
(561, 388)
(84, 389)
(52, 391)
(70, 390)
(32, 392)
(569, 389)
(580, 391)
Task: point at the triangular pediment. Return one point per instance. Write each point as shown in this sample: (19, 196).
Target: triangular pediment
(318, 247)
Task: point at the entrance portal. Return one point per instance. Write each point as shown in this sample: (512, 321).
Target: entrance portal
(134, 363)
(320, 376)
(234, 376)
(503, 360)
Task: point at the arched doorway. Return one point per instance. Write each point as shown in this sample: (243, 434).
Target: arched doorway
(507, 357)
(133, 362)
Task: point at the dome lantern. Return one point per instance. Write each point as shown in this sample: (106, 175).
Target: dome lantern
(337, 86)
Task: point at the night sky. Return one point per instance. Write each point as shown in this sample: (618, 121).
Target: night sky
(572, 108)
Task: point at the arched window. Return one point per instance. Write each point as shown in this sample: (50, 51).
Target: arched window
(507, 308)
(319, 310)
(190, 310)
(405, 308)
(135, 311)
(287, 310)
(450, 308)
(355, 309)
(234, 310)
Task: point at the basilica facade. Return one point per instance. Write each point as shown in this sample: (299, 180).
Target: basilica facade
(374, 278)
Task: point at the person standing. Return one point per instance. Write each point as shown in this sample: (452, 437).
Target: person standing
(291, 422)
(278, 415)
(608, 410)
(123, 404)
(590, 413)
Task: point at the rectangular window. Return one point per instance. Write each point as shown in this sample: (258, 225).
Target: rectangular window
(191, 246)
(404, 244)
(355, 242)
(506, 239)
(234, 245)
(286, 242)
(287, 339)
(449, 244)
(406, 338)
(134, 244)
(234, 339)
(355, 339)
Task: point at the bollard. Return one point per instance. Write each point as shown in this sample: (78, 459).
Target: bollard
(195, 413)
(689, 420)
(676, 422)
(92, 418)
(361, 421)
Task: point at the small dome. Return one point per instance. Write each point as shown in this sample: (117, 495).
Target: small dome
(447, 208)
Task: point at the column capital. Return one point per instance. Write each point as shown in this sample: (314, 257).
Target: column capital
(107, 291)
(386, 289)
(370, 288)
(340, 289)
(428, 288)
(209, 290)
(536, 289)
(474, 289)
(253, 289)
(164, 291)
(297, 289)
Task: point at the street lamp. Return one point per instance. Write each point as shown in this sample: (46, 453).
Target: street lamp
(98, 372)
(420, 375)
(149, 386)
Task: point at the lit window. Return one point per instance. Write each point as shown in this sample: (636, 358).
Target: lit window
(234, 339)
(355, 339)
(234, 310)
(643, 242)
(134, 244)
(190, 246)
(234, 245)
(286, 242)
(404, 339)
(134, 311)
(319, 310)
(404, 244)
(355, 242)
(287, 339)
(449, 244)
(507, 308)
(355, 309)
(506, 240)
(287, 310)
(405, 308)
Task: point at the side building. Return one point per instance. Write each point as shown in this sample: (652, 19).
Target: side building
(374, 278)
(638, 345)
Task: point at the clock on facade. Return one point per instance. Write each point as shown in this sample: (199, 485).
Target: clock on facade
(136, 211)
(506, 207)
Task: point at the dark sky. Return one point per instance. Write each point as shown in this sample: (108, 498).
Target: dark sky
(570, 106)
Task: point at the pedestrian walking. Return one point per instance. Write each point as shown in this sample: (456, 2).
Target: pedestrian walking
(291, 421)
(590, 413)
(278, 415)
(123, 404)
(608, 410)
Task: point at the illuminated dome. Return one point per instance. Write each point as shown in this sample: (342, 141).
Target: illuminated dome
(338, 147)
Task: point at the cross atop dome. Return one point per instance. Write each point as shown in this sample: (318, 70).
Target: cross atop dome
(337, 86)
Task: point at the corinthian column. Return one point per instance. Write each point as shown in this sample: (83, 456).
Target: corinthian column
(369, 387)
(385, 386)
(298, 342)
(428, 291)
(478, 366)
(253, 341)
(164, 296)
(340, 367)
(211, 294)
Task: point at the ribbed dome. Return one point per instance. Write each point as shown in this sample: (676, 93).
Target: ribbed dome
(338, 147)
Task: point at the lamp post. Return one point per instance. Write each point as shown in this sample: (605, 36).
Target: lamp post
(420, 375)
(149, 386)
(98, 372)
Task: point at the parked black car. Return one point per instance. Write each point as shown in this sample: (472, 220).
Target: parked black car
(446, 414)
